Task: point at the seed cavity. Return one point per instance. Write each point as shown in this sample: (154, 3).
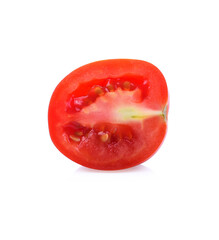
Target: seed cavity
(76, 103)
(106, 133)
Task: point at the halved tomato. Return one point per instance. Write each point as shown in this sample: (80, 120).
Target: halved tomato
(110, 114)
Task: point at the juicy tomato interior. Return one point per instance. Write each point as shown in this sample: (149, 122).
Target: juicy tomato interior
(111, 119)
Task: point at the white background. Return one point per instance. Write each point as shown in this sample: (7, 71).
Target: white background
(44, 195)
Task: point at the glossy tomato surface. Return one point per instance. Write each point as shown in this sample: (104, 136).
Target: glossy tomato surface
(110, 114)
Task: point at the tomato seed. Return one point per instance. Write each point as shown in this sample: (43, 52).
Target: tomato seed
(110, 87)
(99, 91)
(104, 137)
(78, 133)
(76, 139)
(126, 85)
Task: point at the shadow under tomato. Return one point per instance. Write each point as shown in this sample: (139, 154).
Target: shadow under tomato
(137, 169)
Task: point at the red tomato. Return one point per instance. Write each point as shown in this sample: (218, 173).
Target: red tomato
(110, 114)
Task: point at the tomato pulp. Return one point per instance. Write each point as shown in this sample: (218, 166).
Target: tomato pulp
(110, 114)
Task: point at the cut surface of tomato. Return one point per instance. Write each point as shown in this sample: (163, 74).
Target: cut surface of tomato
(110, 114)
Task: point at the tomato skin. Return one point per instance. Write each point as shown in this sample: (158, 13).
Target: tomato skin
(117, 156)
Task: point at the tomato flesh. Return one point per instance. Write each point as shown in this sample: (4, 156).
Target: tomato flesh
(112, 119)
